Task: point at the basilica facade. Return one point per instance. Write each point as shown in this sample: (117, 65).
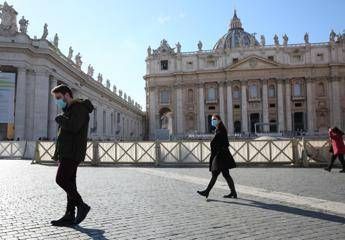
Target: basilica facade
(31, 66)
(281, 88)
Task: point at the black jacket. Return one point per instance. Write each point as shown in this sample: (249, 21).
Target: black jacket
(72, 131)
(221, 158)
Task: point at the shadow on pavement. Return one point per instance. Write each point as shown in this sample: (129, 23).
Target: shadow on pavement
(285, 209)
(91, 232)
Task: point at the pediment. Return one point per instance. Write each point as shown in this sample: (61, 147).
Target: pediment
(253, 62)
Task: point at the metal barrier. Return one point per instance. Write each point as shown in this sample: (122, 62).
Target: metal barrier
(298, 152)
(11, 149)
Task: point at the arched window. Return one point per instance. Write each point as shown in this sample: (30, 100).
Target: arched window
(236, 92)
(271, 91)
(253, 91)
(297, 89)
(211, 94)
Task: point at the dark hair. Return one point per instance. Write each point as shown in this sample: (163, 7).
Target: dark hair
(336, 130)
(63, 89)
(221, 125)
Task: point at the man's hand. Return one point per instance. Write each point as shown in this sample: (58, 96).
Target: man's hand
(59, 118)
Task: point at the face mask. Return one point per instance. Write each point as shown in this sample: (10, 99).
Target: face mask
(60, 103)
(214, 122)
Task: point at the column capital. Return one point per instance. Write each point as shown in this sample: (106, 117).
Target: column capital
(221, 82)
(280, 80)
(244, 82)
(199, 85)
(264, 81)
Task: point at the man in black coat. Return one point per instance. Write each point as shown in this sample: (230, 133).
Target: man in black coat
(70, 150)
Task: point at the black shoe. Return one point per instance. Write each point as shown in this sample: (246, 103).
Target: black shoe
(231, 195)
(67, 220)
(327, 169)
(342, 171)
(203, 193)
(83, 210)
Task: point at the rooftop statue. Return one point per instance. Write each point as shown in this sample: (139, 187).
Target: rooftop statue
(286, 39)
(78, 60)
(306, 38)
(276, 40)
(90, 70)
(262, 40)
(8, 18)
(45, 31)
(23, 23)
(70, 53)
(56, 40)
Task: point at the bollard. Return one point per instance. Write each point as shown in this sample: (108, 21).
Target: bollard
(95, 154)
(158, 153)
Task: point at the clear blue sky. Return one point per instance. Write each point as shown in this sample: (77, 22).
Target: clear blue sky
(113, 35)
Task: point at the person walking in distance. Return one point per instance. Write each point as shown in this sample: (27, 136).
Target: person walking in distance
(70, 150)
(221, 159)
(337, 148)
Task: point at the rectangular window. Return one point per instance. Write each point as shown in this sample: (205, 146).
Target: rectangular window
(272, 105)
(211, 108)
(164, 97)
(211, 94)
(104, 122)
(298, 104)
(164, 65)
(236, 106)
(235, 60)
(271, 58)
(118, 117)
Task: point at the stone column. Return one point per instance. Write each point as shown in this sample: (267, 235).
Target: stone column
(244, 107)
(265, 105)
(41, 105)
(221, 100)
(335, 101)
(201, 114)
(310, 106)
(152, 112)
(52, 129)
(179, 107)
(19, 118)
(281, 113)
(229, 104)
(288, 105)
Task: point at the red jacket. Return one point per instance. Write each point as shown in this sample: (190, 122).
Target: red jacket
(337, 143)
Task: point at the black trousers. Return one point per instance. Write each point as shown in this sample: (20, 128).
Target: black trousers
(66, 178)
(335, 156)
(227, 177)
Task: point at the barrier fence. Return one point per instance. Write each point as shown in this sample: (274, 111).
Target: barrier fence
(297, 152)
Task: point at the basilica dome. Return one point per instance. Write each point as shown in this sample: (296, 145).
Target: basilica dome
(236, 36)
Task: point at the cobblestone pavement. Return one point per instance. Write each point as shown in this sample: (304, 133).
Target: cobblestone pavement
(132, 203)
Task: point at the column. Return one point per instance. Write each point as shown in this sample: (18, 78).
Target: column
(229, 104)
(201, 114)
(41, 105)
(152, 116)
(288, 105)
(281, 114)
(52, 126)
(310, 106)
(179, 107)
(221, 100)
(335, 101)
(19, 118)
(265, 105)
(244, 107)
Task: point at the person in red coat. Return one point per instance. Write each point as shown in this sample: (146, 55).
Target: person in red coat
(337, 147)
